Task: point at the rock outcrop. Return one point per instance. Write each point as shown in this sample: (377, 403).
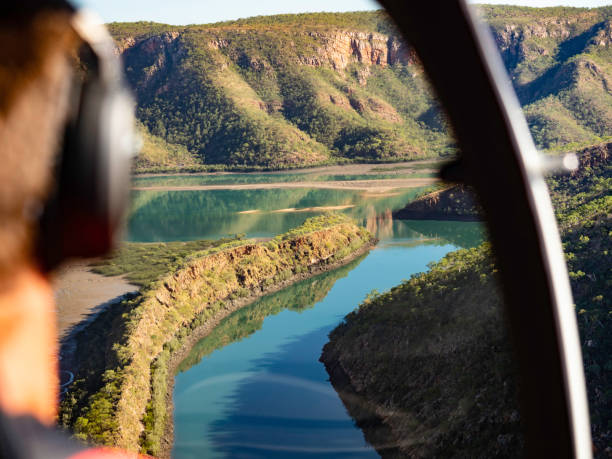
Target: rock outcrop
(341, 48)
(453, 203)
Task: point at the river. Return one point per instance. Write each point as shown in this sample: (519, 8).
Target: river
(254, 387)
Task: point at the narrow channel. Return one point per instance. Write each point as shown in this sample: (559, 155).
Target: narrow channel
(263, 392)
(254, 387)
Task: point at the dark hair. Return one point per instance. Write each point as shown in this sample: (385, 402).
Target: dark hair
(24, 9)
(34, 70)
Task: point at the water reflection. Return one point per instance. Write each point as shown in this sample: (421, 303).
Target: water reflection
(465, 235)
(246, 321)
(184, 215)
(380, 224)
(188, 215)
(254, 386)
(251, 178)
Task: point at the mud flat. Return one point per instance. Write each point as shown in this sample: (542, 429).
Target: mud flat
(79, 291)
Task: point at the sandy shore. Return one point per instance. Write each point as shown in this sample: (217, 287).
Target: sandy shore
(372, 186)
(78, 291)
(351, 169)
(301, 209)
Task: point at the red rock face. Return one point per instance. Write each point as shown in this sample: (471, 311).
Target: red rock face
(339, 49)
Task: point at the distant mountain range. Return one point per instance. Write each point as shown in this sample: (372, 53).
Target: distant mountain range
(297, 90)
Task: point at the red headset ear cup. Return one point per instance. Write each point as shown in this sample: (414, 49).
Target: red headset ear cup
(85, 213)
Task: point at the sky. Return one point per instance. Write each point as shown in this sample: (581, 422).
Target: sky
(183, 12)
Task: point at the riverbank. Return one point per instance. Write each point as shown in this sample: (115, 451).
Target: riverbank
(426, 369)
(374, 186)
(167, 440)
(425, 165)
(124, 404)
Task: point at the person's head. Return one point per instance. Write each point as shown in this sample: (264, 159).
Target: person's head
(66, 141)
(36, 46)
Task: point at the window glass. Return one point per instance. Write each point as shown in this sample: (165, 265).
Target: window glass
(295, 279)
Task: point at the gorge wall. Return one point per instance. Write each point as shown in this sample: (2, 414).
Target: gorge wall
(294, 90)
(450, 203)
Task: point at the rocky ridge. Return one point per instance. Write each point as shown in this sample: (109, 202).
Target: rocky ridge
(287, 91)
(451, 203)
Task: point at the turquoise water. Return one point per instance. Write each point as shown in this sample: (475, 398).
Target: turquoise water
(187, 215)
(254, 387)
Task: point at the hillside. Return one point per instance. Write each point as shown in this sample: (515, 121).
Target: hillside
(426, 368)
(560, 61)
(295, 90)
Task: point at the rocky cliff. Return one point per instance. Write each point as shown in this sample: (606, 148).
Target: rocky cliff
(277, 95)
(290, 90)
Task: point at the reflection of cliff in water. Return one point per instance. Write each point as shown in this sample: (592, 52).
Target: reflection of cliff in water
(380, 224)
(248, 320)
(185, 215)
(461, 234)
(411, 233)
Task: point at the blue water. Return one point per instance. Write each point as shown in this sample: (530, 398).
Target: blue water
(254, 388)
(267, 395)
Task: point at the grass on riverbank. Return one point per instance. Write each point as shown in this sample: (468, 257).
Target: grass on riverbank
(142, 263)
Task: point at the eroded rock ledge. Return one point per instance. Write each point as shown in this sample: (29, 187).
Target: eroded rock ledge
(127, 407)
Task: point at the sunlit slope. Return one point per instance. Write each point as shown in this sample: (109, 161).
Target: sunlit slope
(297, 91)
(294, 90)
(560, 61)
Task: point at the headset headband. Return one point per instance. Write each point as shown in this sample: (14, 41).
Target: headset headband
(85, 214)
(91, 30)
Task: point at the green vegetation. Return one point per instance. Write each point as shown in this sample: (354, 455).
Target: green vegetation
(143, 263)
(560, 62)
(583, 202)
(269, 92)
(119, 394)
(246, 321)
(439, 339)
(287, 91)
(156, 153)
(430, 364)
